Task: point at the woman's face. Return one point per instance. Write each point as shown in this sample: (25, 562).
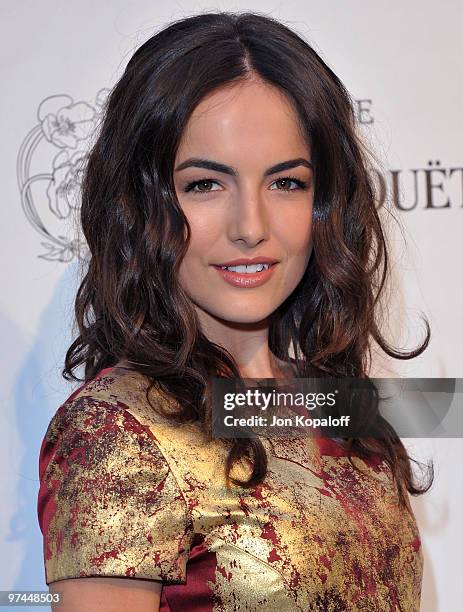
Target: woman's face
(246, 207)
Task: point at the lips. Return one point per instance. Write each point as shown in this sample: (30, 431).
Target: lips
(244, 261)
(247, 280)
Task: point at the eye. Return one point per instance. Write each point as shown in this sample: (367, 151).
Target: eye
(285, 182)
(201, 186)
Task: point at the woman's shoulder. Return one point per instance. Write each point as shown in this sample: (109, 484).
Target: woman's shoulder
(106, 488)
(113, 409)
(115, 394)
(108, 420)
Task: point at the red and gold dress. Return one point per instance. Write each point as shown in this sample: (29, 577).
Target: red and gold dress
(124, 493)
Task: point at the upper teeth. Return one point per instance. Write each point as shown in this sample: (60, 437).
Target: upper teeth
(247, 269)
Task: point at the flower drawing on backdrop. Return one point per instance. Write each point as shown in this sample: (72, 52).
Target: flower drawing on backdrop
(50, 164)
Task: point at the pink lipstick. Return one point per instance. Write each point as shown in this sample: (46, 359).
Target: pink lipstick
(247, 279)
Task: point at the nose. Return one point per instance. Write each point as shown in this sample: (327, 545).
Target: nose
(249, 218)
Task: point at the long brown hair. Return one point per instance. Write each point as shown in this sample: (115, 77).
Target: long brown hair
(130, 305)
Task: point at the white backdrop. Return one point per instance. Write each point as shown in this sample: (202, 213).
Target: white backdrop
(403, 64)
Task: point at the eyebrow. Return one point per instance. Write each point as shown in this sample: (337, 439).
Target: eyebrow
(198, 162)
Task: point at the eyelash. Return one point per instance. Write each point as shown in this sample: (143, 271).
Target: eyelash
(301, 184)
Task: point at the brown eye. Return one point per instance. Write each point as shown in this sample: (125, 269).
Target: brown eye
(202, 186)
(286, 181)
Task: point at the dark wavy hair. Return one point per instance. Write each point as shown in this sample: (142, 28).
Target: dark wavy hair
(130, 305)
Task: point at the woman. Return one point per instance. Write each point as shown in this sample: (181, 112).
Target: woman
(227, 138)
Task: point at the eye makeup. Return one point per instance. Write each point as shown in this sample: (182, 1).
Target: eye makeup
(301, 185)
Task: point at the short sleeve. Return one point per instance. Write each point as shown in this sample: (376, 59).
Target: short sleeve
(108, 503)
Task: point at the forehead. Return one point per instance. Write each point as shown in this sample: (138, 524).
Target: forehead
(243, 114)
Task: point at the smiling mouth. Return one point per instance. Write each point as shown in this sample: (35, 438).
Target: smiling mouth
(246, 268)
(245, 279)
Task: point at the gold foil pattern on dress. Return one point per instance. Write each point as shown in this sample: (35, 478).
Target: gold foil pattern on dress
(126, 493)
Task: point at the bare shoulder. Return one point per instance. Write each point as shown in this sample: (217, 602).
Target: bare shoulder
(106, 594)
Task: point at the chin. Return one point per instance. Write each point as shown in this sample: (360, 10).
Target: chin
(246, 316)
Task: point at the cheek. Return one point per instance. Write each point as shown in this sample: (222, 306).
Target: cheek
(295, 233)
(204, 235)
